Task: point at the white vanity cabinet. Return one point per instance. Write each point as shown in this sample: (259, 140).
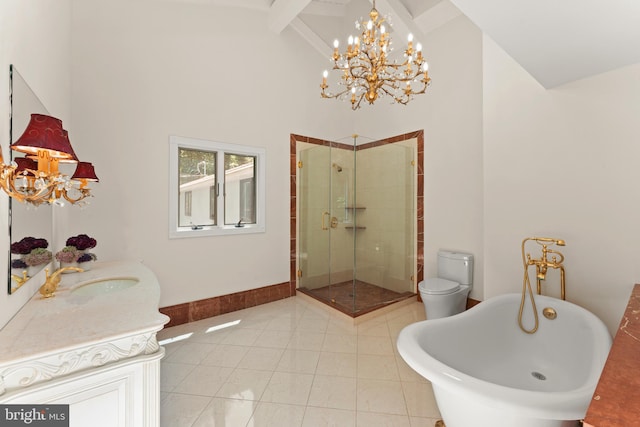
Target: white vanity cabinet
(96, 353)
(116, 395)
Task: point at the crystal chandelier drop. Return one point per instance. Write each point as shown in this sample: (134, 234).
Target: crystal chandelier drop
(368, 73)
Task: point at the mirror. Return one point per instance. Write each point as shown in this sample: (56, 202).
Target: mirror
(25, 220)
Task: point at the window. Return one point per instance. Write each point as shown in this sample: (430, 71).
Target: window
(215, 188)
(239, 182)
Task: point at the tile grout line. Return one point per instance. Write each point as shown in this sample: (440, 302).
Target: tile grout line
(297, 314)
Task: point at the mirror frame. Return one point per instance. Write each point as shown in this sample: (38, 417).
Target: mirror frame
(22, 217)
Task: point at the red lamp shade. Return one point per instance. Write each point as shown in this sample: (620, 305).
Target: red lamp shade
(73, 158)
(45, 133)
(25, 163)
(85, 170)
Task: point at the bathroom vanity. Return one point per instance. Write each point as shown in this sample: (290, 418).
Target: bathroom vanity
(92, 346)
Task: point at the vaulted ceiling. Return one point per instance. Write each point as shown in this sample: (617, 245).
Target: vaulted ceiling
(556, 41)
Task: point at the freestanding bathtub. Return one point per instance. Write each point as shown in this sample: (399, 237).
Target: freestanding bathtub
(486, 372)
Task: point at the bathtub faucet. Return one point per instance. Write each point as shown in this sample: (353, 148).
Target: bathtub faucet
(550, 259)
(542, 265)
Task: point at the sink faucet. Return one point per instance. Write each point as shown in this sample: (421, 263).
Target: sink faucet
(20, 280)
(51, 282)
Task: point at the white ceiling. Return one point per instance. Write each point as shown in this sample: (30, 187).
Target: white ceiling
(556, 41)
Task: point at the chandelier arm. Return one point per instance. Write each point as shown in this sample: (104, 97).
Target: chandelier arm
(8, 184)
(11, 189)
(45, 194)
(358, 72)
(84, 194)
(410, 79)
(336, 96)
(357, 104)
(388, 93)
(41, 196)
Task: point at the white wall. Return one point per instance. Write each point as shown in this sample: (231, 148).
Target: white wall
(35, 37)
(563, 163)
(145, 70)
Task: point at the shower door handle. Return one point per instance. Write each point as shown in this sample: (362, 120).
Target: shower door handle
(324, 227)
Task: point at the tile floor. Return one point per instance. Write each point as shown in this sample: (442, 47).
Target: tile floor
(291, 363)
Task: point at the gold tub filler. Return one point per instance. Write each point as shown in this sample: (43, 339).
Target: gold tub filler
(550, 258)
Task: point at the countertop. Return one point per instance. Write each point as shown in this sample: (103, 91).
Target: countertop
(54, 336)
(616, 401)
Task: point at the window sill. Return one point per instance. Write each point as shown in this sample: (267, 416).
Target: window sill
(186, 232)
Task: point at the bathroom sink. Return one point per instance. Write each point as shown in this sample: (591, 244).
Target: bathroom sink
(104, 286)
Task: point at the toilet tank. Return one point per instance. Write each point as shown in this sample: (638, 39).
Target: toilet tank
(456, 266)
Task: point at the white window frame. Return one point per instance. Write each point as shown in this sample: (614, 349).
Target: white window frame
(177, 142)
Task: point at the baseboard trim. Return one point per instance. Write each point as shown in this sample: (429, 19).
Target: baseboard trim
(215, 306)
(471, 302)
(201, 309)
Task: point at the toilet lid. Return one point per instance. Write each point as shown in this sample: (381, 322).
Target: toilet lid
(438, 286)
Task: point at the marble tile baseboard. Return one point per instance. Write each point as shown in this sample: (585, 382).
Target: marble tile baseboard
(209, 307)
(202, 309)
(472, 302)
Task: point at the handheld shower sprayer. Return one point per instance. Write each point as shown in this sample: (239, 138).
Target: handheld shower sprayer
(543, 240)
(542, 265)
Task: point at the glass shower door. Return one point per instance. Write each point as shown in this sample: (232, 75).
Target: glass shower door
(385, 242)
(325, 227)
(314, 225)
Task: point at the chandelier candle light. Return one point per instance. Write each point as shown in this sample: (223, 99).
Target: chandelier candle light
(35, 178)
(368, 73)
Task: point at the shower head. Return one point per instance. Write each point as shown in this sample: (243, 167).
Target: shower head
(338, 167)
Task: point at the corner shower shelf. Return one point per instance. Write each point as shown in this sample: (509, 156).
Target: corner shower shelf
(357, 227)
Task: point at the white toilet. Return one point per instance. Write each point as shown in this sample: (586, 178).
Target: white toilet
(446, 294)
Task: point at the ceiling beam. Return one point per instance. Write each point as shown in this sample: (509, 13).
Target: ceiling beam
(312, 38)
(437, 16)
(282, 12)
(247, 4)
(326, 9)
(417, 9)
(402, 20)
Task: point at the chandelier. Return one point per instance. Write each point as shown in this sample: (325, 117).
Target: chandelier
(35, 178)
(368, 73)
